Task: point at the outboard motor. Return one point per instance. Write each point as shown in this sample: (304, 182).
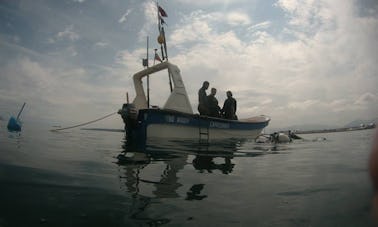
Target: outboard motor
(129, 115)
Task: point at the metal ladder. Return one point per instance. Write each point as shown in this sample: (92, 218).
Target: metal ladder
(203, 133)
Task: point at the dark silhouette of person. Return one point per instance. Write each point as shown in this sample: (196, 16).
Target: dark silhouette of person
(229, 107)
(195, 192)
(212, 104)
(293, 136)
(202, 99)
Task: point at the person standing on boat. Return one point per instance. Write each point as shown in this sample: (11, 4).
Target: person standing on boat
(229, 107)
(202, 99)
(212, 103)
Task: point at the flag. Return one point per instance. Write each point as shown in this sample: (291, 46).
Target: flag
(161, 20)
(162, 12)
(157, 57)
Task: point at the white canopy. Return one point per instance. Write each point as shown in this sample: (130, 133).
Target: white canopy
(178, 99)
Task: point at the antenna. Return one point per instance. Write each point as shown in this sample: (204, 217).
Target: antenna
(148, 80)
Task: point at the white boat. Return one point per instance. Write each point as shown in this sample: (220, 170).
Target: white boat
(176, 119)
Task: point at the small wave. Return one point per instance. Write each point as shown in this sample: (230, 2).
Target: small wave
(306, 192)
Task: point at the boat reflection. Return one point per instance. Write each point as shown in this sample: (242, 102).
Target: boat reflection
(143, 167)
(194, 192)
(206, 163)
(155, 170)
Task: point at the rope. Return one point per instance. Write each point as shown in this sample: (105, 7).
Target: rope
(87, 123)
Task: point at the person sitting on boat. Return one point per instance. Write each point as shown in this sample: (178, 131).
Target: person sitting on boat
(212, 104)
(229, 107)
(202, 99)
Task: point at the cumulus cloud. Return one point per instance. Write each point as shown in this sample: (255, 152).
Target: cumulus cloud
(57, 93)
(307, 14)
(150, 14)
(317, 64)
(201, 26)
(238, 18)
(321, 64)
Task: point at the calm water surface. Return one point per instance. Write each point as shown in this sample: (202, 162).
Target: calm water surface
(94, 178)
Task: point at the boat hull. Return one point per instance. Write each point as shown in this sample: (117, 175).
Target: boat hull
(156, 123)
(191, 132)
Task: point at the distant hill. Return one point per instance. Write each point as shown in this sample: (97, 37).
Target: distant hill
(302, 127)
(306, 127)
(357, 123)
(314, 127)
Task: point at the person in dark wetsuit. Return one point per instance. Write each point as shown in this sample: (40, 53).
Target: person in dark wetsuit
(212, 104)
(202, 99)
(229, 107)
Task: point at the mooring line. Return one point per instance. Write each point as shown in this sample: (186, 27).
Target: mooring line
(82, 124)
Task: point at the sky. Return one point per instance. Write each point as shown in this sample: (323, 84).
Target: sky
(297, 61)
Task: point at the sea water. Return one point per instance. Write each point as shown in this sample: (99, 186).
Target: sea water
(96, 178)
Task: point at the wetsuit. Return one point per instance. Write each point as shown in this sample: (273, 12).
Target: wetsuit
(229, 108)
(212, 103)
(202, 101)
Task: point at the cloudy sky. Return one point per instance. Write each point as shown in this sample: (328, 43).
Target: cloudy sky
(297, 61)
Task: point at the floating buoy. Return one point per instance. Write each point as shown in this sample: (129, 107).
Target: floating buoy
(14, 124)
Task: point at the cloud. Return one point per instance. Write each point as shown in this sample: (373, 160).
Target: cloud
(68, 34)
(314, 64)
(101, 44)
(59, 92)
(79, 1)
(324, 57)
(367, 99)
(16, 39)
(238, 18)
(124, 16)
(200, 26)
(213, 2)
(303, 105)
(150, 19)
(259, 26)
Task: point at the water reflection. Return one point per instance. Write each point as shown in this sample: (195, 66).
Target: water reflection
(206, 163)
(154, 171)
(144, 167)
(194, 192)
(158, 162)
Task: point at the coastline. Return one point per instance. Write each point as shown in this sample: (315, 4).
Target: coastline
(344, 129)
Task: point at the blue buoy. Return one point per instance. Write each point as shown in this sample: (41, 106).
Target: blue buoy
(14, 125)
